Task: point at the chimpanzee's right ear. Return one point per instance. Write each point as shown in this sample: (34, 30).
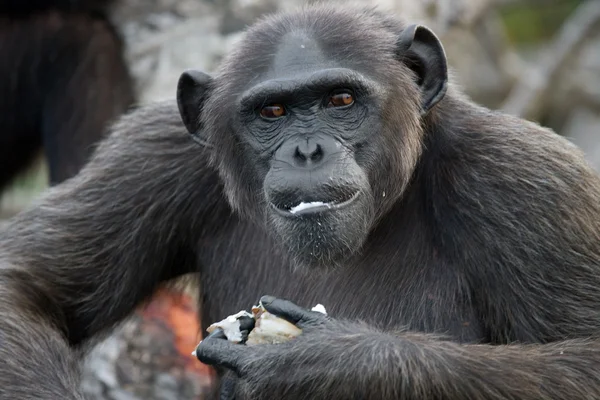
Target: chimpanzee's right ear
(192, 91)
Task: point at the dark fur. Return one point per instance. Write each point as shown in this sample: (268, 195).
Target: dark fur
(489, 235)
(63, 78)
(25, 8)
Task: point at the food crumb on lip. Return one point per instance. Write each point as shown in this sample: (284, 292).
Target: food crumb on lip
(306, 206)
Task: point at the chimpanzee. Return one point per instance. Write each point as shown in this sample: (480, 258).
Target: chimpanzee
(456, 249)
(63, 78)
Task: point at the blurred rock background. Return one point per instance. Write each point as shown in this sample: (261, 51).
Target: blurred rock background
(539, 59)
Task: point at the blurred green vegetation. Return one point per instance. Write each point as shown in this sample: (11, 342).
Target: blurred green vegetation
(530, 23)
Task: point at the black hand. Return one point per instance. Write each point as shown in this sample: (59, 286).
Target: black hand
(314, 365)
(293, 313)
(216, 350)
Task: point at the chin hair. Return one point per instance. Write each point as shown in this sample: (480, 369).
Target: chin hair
(324, 241)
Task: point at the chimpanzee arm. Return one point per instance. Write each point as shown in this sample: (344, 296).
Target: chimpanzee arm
(559, 370)
(335, 359)
(422, 367)
(97, 245)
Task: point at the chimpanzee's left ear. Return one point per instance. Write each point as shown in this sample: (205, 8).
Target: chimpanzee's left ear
(421, 51)
(192, 91)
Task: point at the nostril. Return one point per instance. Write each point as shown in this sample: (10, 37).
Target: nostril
(298, 155)
(317, 155)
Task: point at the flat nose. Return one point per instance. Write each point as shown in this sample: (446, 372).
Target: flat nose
(308, 153)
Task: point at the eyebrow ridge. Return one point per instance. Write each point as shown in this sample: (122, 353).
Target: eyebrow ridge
(282, 88)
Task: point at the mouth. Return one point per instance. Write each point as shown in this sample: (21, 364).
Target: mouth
(314, 207)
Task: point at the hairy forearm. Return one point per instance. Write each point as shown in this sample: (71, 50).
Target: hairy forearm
(431, 368)
(361, 361)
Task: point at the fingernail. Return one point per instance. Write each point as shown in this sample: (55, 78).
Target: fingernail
(194, 353)
(267, 299)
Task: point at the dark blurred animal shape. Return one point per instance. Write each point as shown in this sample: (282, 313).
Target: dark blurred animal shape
(63, 78)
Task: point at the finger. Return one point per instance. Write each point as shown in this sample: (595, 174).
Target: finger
(246, 326)
(217, 334)
(218, 351)
(246, 323)
(291, 312)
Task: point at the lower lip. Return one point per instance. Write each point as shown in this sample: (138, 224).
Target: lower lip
(314, 208)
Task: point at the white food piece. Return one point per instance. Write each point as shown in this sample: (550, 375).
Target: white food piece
(272, 329)
(230, 326)
(305, 206)
(319, 308)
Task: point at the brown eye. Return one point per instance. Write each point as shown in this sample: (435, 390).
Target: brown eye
(340, 100)
(272, 111)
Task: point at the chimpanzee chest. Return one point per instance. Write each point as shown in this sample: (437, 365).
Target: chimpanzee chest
(386, 290)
